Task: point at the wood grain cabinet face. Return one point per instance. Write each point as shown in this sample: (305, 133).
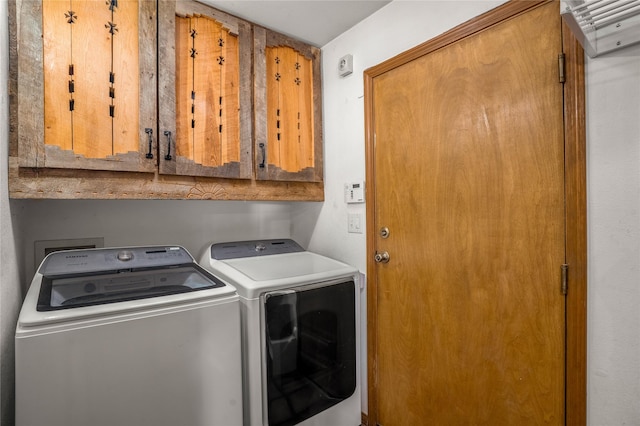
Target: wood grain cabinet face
(288, 108)
(205, 92)
(87, 90)
(153, 99)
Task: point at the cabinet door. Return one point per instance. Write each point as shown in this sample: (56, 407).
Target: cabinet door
(288, 108)
(205, 92)
(87, 85)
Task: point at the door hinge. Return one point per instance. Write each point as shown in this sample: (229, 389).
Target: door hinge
(561, 72)
(565, 278)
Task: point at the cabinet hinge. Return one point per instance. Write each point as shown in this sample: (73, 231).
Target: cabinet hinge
(565, 278)
(561, 73)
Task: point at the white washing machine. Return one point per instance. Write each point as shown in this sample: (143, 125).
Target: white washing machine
(300, 332)
(135, 336)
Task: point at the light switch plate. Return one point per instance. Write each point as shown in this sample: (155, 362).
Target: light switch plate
(354, 223)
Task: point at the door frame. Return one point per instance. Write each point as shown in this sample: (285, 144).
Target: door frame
(575, 210)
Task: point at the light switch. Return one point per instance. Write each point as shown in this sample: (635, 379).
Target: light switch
(354, 223)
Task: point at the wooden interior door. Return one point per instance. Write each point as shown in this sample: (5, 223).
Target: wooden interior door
(468, 174)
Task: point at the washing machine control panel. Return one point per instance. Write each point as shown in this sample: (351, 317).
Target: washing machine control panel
(125, 255)
(113, 259)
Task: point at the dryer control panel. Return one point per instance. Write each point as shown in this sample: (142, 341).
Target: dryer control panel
(241, 249)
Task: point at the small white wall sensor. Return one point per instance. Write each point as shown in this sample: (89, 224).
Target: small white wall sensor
(345, 65)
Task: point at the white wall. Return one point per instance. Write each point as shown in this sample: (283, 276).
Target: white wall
(613, 139)
(613, 142)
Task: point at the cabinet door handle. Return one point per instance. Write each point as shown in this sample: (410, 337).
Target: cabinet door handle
(168, 135)
(149, 133)
(263, 150)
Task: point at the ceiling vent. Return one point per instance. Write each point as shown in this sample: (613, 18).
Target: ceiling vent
(603, 26)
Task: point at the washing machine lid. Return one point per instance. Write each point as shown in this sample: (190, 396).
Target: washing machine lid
(253, 275)
(95, 282)
(76, 278)
(67, 292)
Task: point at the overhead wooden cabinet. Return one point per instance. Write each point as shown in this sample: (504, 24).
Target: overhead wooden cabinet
(288, 111)
(154, 99)
(98, 87)
(205, 92)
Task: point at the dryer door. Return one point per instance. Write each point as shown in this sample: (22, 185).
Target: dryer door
(309, 349)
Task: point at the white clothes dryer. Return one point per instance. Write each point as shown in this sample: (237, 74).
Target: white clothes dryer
(135, 336)
(300, 332)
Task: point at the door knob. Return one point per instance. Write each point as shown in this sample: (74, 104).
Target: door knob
(381, 257)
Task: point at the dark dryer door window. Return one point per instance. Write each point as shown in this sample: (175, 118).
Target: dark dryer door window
(310, 350)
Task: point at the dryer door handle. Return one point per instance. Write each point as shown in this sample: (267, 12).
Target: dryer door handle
(278, 293)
